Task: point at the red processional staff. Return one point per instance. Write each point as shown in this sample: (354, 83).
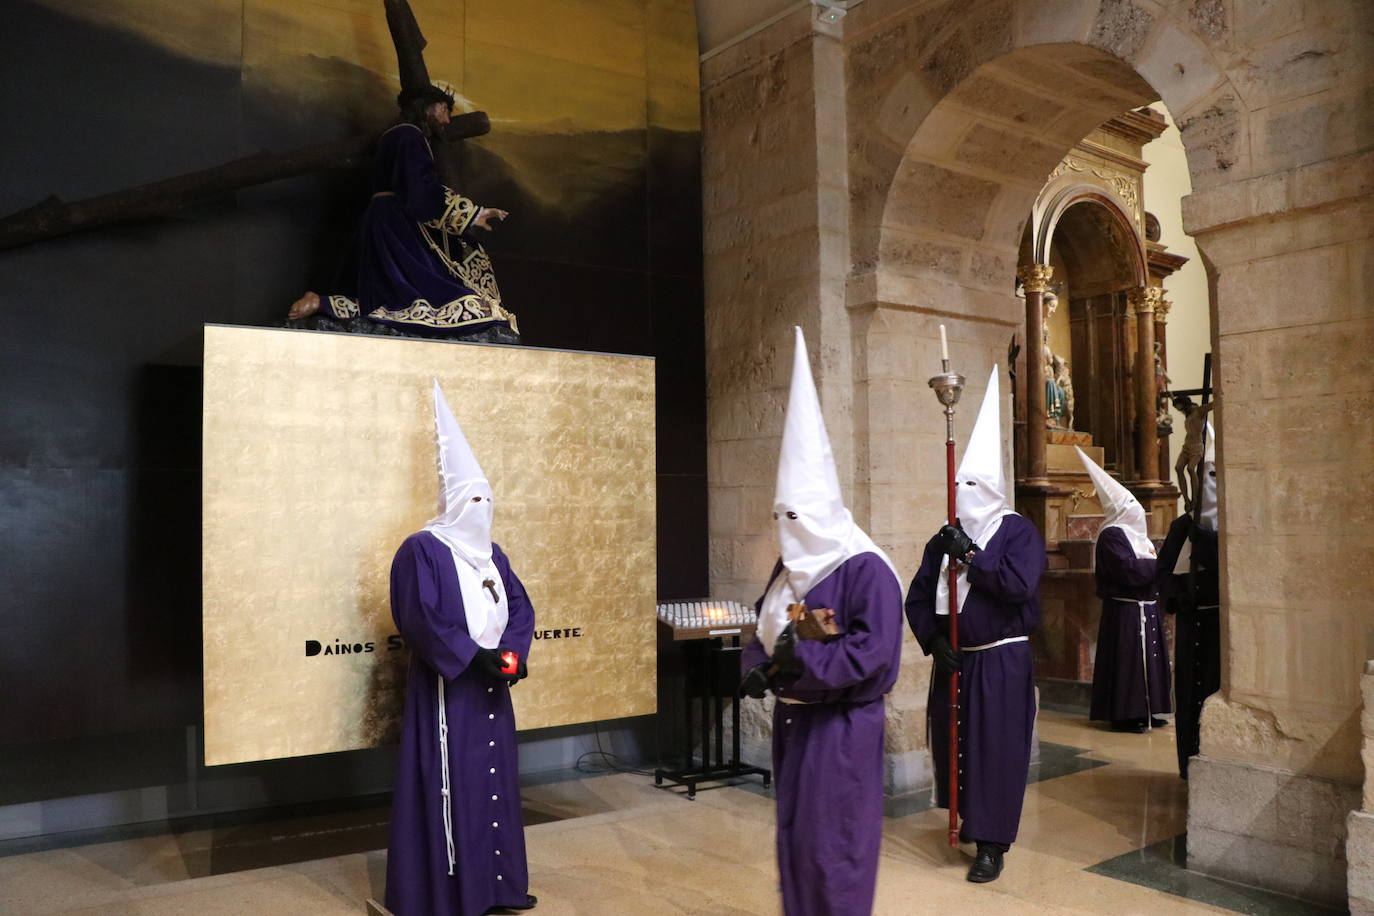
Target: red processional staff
(948, 386)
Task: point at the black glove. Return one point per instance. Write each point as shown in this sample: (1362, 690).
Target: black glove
(947, 658)
(955, 542)
(755, 682)
(785, 651)
(488, 661)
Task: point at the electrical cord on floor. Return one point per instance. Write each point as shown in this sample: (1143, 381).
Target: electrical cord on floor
(610, 763)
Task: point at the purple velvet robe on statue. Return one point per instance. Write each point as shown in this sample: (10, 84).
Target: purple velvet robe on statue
(417, 267)
(488, 830)
(1119, 675)
(828, 751)
(996, 686)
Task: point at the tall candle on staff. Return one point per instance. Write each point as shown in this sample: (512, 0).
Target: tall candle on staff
(947, 386)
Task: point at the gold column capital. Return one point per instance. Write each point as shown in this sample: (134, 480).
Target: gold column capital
(1035, 277)
(1145, 299)
(1162, 311)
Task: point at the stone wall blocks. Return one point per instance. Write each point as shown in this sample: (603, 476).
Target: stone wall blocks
(948, 64)
(1121, 28)
(903, 39)
(1007, 154)
(1247, 300)
(1216, 141)
(1230, 798)
(1259, 20)
(1299, 361)
(1339, 179)
(1304, 131)
(1312, 814)
(1359, 847)
(1298, 873)
(1179, 67)
(1295, 65)
(931, 197)
(915, 256)
(1054, 21)
(906, 105)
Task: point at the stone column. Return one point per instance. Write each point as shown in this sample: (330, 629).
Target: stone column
(1143, 301)
(1036, 279)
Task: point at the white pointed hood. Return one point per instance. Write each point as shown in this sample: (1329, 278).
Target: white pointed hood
(816, 533)
(464, 525)
(980, 494)
(1120, 508)
(1207, 483)
(465, 510)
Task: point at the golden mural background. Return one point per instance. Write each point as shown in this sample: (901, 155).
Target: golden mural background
(319, 459)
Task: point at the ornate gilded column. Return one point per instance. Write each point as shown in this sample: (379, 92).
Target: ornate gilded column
(1143, 301)
(1161, 320)
(1035, 278)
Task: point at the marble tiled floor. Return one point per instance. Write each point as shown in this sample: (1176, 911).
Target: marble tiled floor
(616, 845)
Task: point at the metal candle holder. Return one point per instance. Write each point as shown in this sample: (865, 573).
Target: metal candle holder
(948, 386)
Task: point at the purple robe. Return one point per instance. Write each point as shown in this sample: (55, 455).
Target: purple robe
(828, 749)
(1194, 599)
(488, 830)
(996, 685)
(417, 266)
(1122, 667)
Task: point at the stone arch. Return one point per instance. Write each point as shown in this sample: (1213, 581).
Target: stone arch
(956, 117)
(824, 148)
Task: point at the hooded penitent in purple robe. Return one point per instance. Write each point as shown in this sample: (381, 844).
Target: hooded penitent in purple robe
(418, 268)
(828, 719)
(999, 607)
(996, 684)
(457, 836)
(487, 827)
(1131, 668)
(828, 742)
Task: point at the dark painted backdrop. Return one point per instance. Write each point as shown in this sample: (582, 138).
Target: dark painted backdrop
(100, 353)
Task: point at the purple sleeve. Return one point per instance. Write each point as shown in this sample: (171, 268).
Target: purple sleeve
(753, 653)
(872, 624)
(414, 178)
(1010, 568)
(1117, 562)
(920, 597)
(520, 625)
(432, 624)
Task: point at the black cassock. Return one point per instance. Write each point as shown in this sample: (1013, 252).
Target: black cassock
(1193, 596)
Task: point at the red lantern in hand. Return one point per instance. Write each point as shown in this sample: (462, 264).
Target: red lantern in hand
(510, 662)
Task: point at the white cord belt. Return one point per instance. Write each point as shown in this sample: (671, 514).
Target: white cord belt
(994, 645)
(1144, 653)
(443, 770)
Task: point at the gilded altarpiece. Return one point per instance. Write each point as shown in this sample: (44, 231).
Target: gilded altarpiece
(319, 459)
(1089, 227)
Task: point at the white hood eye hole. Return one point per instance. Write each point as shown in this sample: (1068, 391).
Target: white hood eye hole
(1211, 473)
(791, 514)
(971, 483)
(477, 499)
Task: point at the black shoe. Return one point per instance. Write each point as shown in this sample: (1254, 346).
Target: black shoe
(530, 901)
(1131, 726)
(1158, 723)
(987, 865)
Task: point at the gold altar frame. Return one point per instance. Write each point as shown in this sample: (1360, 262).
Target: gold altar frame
(319, 459)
